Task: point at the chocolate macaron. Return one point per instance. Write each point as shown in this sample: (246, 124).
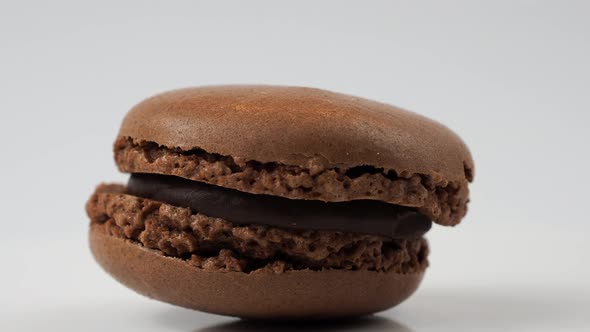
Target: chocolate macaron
(276, 202)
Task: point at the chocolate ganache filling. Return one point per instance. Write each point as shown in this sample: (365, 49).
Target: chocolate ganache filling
(357, 216)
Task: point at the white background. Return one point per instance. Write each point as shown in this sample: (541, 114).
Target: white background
(511, 77)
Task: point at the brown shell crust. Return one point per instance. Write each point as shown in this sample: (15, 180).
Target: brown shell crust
(289, 295)
(291, 125)
(214, 244)
(445, 202)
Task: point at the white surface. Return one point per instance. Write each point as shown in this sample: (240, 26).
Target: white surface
(511, 77)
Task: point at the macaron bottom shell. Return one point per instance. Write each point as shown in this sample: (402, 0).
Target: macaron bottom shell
(288, 295)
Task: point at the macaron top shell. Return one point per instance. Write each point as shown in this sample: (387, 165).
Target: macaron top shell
(291, 125)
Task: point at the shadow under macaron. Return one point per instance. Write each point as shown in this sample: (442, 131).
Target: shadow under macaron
(366, 323)
(183, 319)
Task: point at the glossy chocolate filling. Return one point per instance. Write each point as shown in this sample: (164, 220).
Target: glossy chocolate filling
(358, 216)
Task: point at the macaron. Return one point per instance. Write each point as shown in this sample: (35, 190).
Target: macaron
(275, 202)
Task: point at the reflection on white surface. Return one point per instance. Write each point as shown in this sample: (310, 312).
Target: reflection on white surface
(431, 310)
(498, 309)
